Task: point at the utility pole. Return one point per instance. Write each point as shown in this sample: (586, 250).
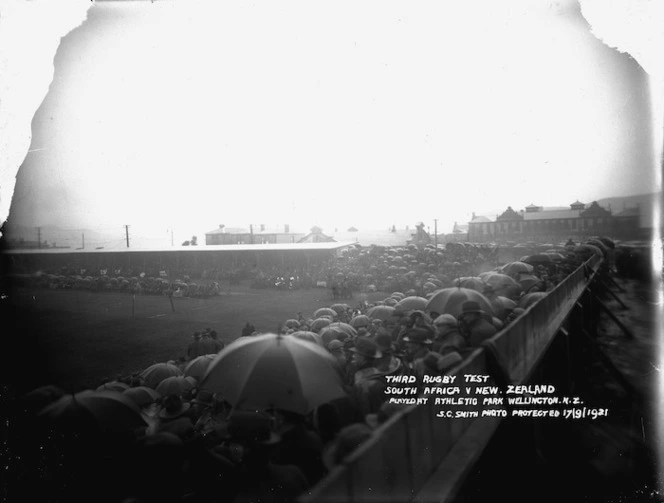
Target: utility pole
(435, 232)
(82, 240)
(127, 234)
(39, 237)
(171, 235)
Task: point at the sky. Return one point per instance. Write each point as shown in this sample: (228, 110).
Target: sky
(182, 116)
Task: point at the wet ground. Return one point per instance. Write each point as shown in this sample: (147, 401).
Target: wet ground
(609, 459)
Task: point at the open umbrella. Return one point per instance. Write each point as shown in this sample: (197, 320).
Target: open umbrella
(308, 336)
(156, 373)
(325, 311)
(390, 301)
(103, 410)
(361, 320)
(319, 323)
(528, 281)
(539, 258)
(498, 280)
(398, 295)
(411, 303)
(292, 323)
(340, 308)
(344, 327)
(142, 395)
(531, 298)
(274, 371)
(516, 268)
(176, 385)
(113, 386)
(472, 282)
(196, 368)
(450, 301)
(380, 313)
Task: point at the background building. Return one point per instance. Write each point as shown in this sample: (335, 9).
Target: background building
(553, 225)
(254, 234)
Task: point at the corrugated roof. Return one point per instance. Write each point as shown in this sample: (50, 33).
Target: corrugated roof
(549, 215)
(480, 219)
(196, 249)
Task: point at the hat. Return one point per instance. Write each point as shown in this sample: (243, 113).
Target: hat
(445, 319)
(471, 306)
(418, 336)
(252, 428)
(366, 347)
(173, 407)
(204, 397)
(348, 439)
(384, 342)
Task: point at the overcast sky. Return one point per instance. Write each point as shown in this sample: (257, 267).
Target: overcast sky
(337, 114)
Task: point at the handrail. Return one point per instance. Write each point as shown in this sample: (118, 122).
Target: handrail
(399, 461)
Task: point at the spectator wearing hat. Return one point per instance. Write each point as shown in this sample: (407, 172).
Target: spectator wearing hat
(448, 339)
(174, 418)
(195, 348)
(474, 324)
(258, 477)
(418, 345)
(368, 381)
(389, 364)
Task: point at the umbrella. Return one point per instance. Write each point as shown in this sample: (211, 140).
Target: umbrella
(142, 395)
(528, 281)
(156, 373)
(411, 304)
(176, 385)
(587, 250)
(390, 302)
(607, 242)
(450, 301)
(113, 386)
(304, 335)
(340, 308)
(343, 327)
(498, 280)
(325, 311)
(105, 410)
(196, 368)
(274, 371)
(474, 283)
(319, 323)
(539, 258)
(505, 303)
(380, 313)
(531, 298)
(361, 320)
(292, 323)
(398, 295)
(555, 256)
(516, 268)
(598, 244)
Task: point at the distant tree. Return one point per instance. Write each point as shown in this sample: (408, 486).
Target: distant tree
(186, 243)
(194, 241)
(352, 229)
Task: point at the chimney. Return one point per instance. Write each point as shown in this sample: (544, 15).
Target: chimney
(473, 216)
(262, 227)
(286, 228)
(221, 226)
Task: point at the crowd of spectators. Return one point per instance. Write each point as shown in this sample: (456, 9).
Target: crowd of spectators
(193, 445)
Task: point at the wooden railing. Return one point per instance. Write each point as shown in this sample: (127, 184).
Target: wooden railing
(416, 456)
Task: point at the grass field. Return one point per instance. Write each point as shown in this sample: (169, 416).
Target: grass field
(75, 339)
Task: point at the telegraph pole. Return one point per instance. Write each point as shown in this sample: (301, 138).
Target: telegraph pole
(435, 232)
(39, 237)
(82, 240)
(127, 234)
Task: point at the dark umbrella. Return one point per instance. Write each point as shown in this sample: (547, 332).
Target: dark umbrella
(105, 410)
(380, 313)
(156, 373)
(531, 298)
(450, 301)
(142, 395)
(176, 385)
(196, 368)
(411, 303)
